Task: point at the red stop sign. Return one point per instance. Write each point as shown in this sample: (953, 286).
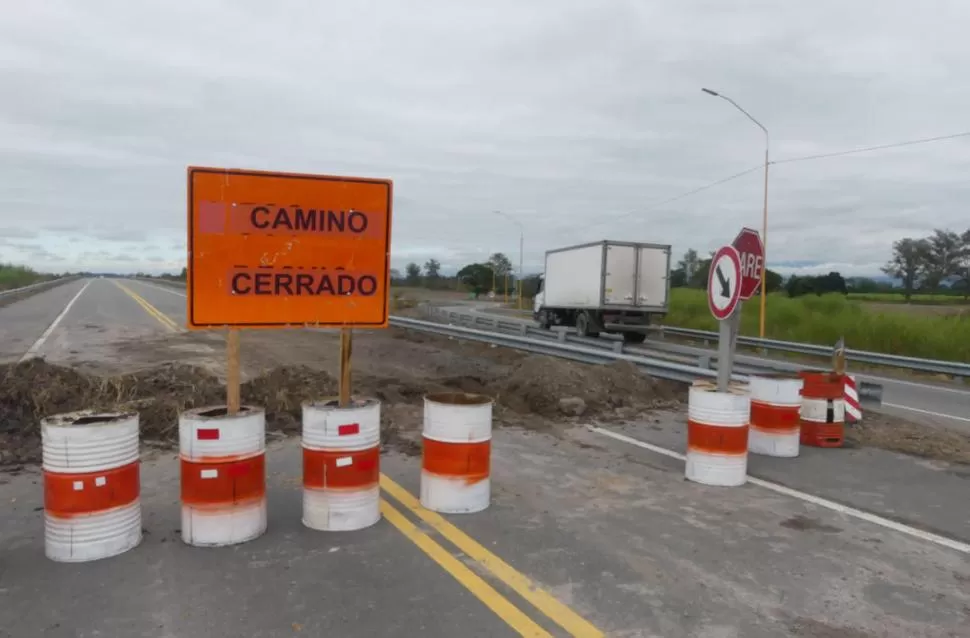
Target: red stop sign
(752, 252)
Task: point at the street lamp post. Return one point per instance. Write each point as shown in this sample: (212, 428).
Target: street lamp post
(521, 245)
(764, 218)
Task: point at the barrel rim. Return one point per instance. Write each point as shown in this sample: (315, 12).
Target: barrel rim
(457, 399)
(221, 413)
(333, 403)
(88, 418)
(711, 388)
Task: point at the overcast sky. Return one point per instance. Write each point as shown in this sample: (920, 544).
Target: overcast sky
(574, 117)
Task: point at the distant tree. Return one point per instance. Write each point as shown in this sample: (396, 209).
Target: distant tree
(821, 285)
(862, 285)
(943, 255)
(530, 286)
(500, 264)
(396, 275)
(773, 281)
(962, 272)
(688, 265)
(832, 282)
(797, 286)
(478, 277)
(699, 278)
(432, 271)
(412, 274)
(677, 278)
(908, 263)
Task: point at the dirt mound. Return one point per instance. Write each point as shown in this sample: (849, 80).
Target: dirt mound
(539, 386)
(552, 387)
(282, 391)
(896, 435)
(32, 390)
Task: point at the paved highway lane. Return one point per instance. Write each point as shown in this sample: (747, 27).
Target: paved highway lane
(81, 321)
(938, 404)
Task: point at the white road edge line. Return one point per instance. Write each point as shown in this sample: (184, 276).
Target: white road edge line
(808, 498)
(885, 380)
(34, 349)
(163, 289)
(938, 414)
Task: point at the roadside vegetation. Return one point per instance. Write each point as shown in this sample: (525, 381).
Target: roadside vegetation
(12, 276)
(824, 319)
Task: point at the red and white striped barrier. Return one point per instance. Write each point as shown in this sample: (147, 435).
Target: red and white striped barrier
(92, 506)
(223, 462)
(853, 409)
(456, 453)
(717, 435)
(341, 465)
(775, 404)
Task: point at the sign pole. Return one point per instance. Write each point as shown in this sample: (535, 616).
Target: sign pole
(232, 372)
(724, 342)
(346, 348)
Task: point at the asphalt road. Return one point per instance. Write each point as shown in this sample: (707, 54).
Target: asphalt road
(940, 404)
(586, 533)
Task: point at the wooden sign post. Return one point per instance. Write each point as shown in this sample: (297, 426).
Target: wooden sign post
(346, 350)
(329, 240)
(232, 372)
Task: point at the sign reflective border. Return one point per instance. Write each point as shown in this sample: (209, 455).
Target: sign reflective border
(273, 250)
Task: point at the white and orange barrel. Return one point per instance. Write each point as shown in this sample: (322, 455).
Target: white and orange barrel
(823, 409)
(92, 505)
(341, 465)
(223, 462)
(775, 403)
(456, 453)
(717, 435)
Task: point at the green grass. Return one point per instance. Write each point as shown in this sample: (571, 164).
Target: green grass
(822, 320)
(918, 298)
(12, 276)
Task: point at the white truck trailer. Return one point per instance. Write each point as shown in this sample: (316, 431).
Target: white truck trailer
(607, 286)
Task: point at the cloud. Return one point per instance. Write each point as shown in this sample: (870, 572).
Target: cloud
(577, 118)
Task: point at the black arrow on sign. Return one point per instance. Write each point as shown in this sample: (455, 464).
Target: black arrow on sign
(725, 284)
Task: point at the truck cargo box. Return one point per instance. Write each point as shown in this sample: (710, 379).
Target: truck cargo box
(608, 275)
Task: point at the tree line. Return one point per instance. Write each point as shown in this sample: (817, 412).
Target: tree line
(692, 272)
(494, 274)
(928, 264)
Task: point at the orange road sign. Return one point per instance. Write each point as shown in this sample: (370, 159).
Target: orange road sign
(274, 250)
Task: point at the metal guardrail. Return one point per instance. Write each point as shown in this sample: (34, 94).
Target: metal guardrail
(952, 368)
(40, 285)
(655, 367)
(915, 364)
(667, 361)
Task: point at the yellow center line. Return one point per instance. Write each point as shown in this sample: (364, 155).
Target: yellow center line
(150, 309)
(512, 615)
(559, 613)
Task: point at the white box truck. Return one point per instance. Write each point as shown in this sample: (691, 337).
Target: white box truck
(607, 286)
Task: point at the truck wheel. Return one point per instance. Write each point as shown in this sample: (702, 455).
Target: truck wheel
(634, 337)
(584, 326)
(543, 319)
